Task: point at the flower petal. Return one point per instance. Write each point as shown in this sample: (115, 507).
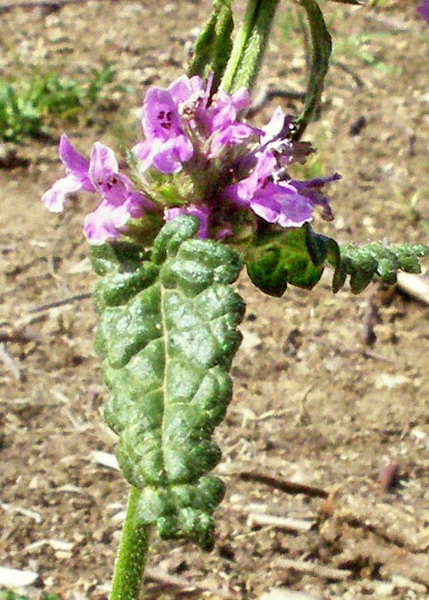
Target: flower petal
(160, 115)
(234, 134)
(103, 163)
(165, 156)
(55, 197)
(74, 163)
(282, 204)
(107, 222)
(186, 89)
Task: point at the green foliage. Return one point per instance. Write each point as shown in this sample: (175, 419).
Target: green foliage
(9, 595)
(26, 108)
(280, 258)
(213, 46)
(298, 257)
(167, 337)
(376, 260)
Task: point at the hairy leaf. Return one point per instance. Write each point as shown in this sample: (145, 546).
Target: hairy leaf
(167, 336)
(298, 257)
(213, 46)
(249, 45)
(375, 260)
(295, 256)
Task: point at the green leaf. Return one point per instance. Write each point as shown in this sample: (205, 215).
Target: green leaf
(9, 595)
(295, 256)
(376, 260)
(298, 257)
(321, 51)
(213, 46)
(167, 336)
(249, 45)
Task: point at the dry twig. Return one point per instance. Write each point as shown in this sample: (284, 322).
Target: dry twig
(387, 22)
(20, 337)
(69, 300)
(314, 569)
(415, 286)
(287, 523)
(372, 317)
(267, 95)
(290, 487)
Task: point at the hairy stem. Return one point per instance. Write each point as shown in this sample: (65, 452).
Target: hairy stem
(132, 554)
(321, 51)
(249, 45)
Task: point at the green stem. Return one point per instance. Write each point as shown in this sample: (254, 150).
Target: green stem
(321, 51)
(132, 554)
(249, 45)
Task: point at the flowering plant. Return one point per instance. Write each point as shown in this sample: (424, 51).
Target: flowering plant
(232, 172)
(206, 193)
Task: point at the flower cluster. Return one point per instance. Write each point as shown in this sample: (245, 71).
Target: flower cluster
(198, 157)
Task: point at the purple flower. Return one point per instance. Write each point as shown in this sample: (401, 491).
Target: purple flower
(423, 10)
(166, 145)
(178, 118)
(311, 190)
(229, 167)
(282, 204)
(77, 177)
(201, 211)
(115, 188)
(286, 203)
(107, 222)
(220, 121)
(224, 109)
(276, 138)
(233, 134)
(277, 128)
(189, 92)
(291, 203)
(241, 193)
(120, 201)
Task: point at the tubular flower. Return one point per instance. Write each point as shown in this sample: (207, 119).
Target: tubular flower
(286, 203)
(77, 177)
(176, 119)
(120, 201)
